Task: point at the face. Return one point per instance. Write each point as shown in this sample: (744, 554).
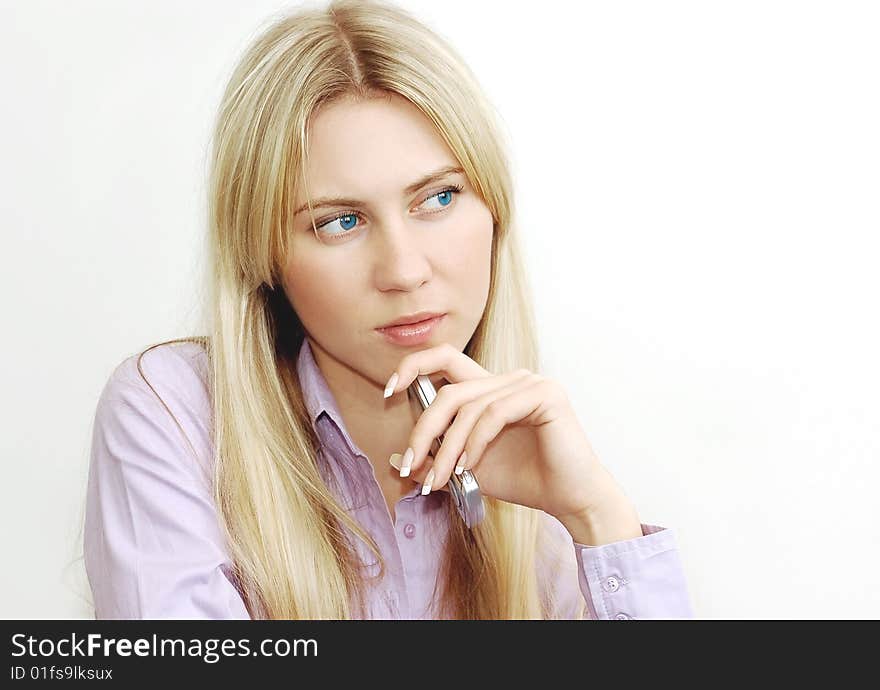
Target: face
(396, 251)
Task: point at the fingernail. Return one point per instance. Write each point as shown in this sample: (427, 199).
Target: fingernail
(395, 460)
(426, 487)
(389, 387)
(459, 468)
(406, 463)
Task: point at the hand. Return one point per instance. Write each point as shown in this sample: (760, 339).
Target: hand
(518, 432)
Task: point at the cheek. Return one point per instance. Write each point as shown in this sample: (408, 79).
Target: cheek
(468, 263)
(316, 293)
(470, 251)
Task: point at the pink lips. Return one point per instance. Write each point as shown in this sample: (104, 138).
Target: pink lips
(412, 333)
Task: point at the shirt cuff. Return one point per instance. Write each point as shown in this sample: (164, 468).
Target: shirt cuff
(636, 578)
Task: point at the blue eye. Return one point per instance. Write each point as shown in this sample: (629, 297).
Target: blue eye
(444, 197)
(348, 219)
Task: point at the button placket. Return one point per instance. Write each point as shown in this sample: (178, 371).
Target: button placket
(611, 584)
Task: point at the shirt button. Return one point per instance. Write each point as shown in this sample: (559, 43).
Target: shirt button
(623, 617)
(611, 584)
(409, 530)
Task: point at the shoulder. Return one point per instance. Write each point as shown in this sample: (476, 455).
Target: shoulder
(161, 392)
(178, 366)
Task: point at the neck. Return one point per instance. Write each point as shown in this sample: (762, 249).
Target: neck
(378, 426)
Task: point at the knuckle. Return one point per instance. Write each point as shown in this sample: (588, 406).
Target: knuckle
(444, 394)
(468, 409)
(493, 411)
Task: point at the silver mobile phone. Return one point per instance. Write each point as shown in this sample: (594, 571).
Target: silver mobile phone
(464, 488)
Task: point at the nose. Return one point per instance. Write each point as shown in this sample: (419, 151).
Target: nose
(402, 255)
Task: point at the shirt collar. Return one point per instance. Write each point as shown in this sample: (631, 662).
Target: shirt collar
(319, 399)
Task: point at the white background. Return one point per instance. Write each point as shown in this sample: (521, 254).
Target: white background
(698, 192)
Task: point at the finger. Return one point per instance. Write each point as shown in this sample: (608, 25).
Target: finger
(422, 476)
(427, 478)
(454, 450)
(524, 404)
(436, 419)
(454, 365)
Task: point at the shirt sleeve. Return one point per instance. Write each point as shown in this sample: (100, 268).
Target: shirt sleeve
(152, 540)
(638, 578)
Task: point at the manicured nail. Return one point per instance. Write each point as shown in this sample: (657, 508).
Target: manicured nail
(395, 460)
(459, 468)
(406, 463)
(389, 387)
(426, 487)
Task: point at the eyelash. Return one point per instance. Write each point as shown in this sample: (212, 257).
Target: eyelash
(452, 188)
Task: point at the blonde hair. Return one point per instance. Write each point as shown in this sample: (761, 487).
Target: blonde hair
(283, 525)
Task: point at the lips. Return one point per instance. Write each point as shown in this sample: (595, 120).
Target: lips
(411, 319)
(411, 334)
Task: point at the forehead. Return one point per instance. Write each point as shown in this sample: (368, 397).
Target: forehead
(369, 148)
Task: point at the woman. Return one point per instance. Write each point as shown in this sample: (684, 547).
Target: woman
(358, 179)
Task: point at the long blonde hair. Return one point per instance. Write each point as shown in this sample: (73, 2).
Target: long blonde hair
(283, 525)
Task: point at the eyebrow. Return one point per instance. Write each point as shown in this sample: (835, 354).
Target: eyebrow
(409, 189)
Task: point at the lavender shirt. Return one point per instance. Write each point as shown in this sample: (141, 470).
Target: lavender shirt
(153, 544)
